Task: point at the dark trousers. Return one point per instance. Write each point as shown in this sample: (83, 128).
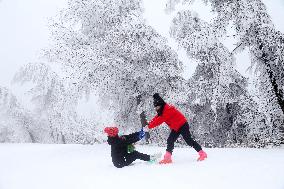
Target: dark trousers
(131, 157)
(184, 131)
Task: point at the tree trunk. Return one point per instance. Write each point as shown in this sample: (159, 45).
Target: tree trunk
(279, 96)
(63, 138)
(143, 119)
(278, 92)
(32, 137)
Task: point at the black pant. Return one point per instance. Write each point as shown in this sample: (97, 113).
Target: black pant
(131, 157)
(184, 131)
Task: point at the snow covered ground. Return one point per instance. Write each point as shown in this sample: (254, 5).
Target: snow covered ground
(41, 166)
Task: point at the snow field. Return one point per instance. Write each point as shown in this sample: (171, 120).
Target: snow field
(48, 166)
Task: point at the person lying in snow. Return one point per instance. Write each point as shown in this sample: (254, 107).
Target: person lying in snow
(178, 125)
(123, 152)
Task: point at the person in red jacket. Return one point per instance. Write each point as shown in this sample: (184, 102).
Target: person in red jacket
(178, 125)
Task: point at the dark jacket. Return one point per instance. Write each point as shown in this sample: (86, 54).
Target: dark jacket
(119, 146)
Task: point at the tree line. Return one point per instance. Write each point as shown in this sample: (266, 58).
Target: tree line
(105, 47)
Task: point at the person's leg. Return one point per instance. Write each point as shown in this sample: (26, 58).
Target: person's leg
(170, 146)
(188, 138)
(119, 161)
(171, 140)
(141, 156)
(131, 157)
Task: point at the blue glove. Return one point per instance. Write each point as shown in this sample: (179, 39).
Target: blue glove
(141, 134)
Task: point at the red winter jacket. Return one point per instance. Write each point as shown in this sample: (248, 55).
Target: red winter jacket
(171, 116)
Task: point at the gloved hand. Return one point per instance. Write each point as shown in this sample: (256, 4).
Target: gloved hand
(141, 134)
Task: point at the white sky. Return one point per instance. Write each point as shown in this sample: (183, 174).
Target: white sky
(24, 31)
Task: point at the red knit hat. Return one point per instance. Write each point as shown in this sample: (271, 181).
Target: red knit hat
(111, 131)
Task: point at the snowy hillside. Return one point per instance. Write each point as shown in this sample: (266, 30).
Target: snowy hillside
(36, 166)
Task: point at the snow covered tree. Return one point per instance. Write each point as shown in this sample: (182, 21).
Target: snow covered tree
(218, 88)
(214, 72)
(17, 124)
(55, 104)
(105, 46)
(255, 30)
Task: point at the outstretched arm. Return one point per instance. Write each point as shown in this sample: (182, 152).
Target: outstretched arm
(156, 121)
(131, 138)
